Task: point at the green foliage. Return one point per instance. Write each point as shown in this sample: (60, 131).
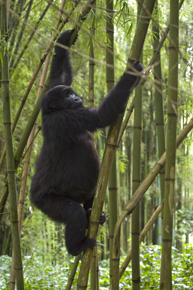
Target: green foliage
(150, 269)
(185, 222)
(5, 267)
(43, 275)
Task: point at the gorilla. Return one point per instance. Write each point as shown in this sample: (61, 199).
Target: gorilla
(67, 168)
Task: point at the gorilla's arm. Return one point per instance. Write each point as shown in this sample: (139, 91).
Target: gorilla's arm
(61, 69)
(113, 104)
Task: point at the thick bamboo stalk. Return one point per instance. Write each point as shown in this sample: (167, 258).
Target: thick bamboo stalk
(9, 149)
(110, 149)
(166, 261)
(135, 183)
(159, 115)
(110, 79)
(91, 60)
(73, 272)
(136, 179)
(94, 277)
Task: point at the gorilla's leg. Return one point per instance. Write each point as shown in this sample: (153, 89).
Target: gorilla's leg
(73, 215)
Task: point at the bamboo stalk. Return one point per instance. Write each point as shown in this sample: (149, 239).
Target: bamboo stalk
(94, 277)
(91, 60)
(166, 261)
(110, 149)
(159, 114)
(136, 179)
(110, 80)
(9, 149)
(73, 272)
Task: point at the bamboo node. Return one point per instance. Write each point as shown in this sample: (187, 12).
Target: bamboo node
(17, 268)
(10, 171)
(115, 259)
(169, 179)
(174, 47)
(136, 180)
(4, 81)
(135, 234)
(160, 124)
(162, 172)
(137, 127)
(113, 188)
(14, 221)
(167, 240)
(7, 123)
(112, 145)
(172, 114)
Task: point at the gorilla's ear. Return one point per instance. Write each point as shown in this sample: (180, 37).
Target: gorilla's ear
(52, 105)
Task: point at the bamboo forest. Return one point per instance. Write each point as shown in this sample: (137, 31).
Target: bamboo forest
(132, 65)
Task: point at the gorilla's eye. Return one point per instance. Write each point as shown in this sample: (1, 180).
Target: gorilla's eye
(66, 94)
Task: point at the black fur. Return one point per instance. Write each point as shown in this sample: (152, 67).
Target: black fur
(68, 165)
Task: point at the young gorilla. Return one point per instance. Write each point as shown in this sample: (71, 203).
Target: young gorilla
(68, 165)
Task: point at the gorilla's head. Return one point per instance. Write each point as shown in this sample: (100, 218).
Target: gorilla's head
(60, 98)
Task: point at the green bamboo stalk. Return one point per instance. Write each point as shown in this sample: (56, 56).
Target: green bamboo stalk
(9, 149)
(159, 114)
(94, 278)
(136, 179)
(91, 60)
(94, 275)
(141, 29)
(135, 183)
(110, 79)
(73, 272)
(110, 149)
(166, 263)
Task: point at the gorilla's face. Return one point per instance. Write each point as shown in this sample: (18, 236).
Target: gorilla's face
(60, 98)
